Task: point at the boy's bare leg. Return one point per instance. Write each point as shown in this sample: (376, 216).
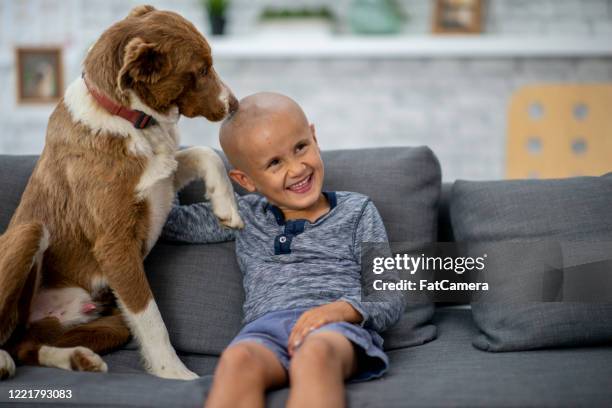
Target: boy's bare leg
(318, 369)
(244, 373)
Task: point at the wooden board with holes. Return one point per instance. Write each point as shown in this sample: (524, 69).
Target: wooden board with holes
(560, 130)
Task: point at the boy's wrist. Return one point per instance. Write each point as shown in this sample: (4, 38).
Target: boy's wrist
(351, 315)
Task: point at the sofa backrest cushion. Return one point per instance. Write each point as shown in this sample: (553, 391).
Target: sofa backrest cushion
(404, 184)
(569, 219)
(199, 287)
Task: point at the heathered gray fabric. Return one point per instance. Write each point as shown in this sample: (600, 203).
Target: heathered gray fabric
(576, 215)
(324, 264)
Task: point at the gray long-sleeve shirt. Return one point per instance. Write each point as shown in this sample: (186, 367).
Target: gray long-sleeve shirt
(295, 263)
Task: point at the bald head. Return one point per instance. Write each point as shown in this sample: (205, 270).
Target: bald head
(257, 116)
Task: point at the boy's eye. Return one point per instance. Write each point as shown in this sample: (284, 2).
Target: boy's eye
(273, 163)
(300, 146)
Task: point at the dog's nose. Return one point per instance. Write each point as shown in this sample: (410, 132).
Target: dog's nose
(233, 104)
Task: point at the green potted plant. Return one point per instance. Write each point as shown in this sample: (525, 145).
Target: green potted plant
(216, 10)
(305, 21)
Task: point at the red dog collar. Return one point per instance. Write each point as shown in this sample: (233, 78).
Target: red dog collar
(139, 119)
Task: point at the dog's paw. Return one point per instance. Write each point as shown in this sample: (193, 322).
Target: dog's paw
(233, 220)
(7, 365)
(225, 209)
(83, 359)
(175, 371)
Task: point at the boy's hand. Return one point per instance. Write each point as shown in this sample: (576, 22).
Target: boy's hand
(339, 311)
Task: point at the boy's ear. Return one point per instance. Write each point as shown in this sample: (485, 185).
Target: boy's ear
(314, 133)
(243, 179)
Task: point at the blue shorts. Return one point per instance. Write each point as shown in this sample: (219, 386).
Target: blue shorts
(272, 330)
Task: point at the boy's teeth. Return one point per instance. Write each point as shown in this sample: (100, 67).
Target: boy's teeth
(300, 184)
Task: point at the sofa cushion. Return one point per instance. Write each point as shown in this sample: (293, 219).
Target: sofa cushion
(125, 389)
(449, 372)
(445, 372)
(404, 184)
(198, 289)
(15, 171)
(575, 216)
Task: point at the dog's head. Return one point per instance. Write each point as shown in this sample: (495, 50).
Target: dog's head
(163, 59)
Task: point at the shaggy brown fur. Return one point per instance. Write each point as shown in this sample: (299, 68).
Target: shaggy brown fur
(82, 190)
(143, 57)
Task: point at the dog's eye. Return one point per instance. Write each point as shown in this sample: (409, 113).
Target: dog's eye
(204, 71)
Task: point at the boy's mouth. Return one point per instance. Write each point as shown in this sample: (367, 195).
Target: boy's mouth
(302, 186)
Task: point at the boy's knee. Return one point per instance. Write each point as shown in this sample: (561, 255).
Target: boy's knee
(317, 352)
(242, 360)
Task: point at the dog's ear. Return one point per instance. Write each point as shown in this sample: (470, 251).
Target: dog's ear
(142, 62)
(141, 10)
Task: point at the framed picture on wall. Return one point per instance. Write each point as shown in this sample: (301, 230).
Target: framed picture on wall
(39, 74)
(457, 17)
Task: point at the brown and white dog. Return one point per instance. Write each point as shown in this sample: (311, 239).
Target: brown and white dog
(99, 196)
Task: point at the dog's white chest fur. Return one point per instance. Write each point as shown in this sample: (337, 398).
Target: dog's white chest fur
(159, 200)
(156, 185)
(155, 144)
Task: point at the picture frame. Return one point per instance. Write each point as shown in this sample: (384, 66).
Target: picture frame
(457, 17)
(39, 74)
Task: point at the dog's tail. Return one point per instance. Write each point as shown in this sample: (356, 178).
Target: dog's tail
(21, 250)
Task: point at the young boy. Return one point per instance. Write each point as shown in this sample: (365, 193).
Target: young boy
(299, 253)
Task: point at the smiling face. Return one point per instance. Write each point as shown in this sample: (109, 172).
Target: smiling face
(275, 152)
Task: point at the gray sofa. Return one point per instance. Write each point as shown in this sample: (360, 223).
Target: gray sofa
(433, 359)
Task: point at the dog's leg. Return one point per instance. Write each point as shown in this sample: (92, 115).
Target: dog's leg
(7, 365)
(35, 347)
(21, 251)
(101, 335)
(72, 358)
(159, 356)
(121, 262)
(49, 344)
(204, 163)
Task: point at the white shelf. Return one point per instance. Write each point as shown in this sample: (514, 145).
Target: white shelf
(410, 47)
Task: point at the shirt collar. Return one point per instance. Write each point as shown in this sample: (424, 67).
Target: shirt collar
(280, 217)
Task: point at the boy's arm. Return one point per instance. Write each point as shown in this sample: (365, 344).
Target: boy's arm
(195, 224)
(382, 313)
(378, 315)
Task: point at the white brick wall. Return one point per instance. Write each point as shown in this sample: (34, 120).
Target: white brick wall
(456, 106)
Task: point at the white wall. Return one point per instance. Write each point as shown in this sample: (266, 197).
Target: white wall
(456, 106)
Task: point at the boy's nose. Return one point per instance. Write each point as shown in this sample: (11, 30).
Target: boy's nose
(297, 169)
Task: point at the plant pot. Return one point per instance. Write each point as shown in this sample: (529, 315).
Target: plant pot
(217, 24)
(374, 17)
(295, 27)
